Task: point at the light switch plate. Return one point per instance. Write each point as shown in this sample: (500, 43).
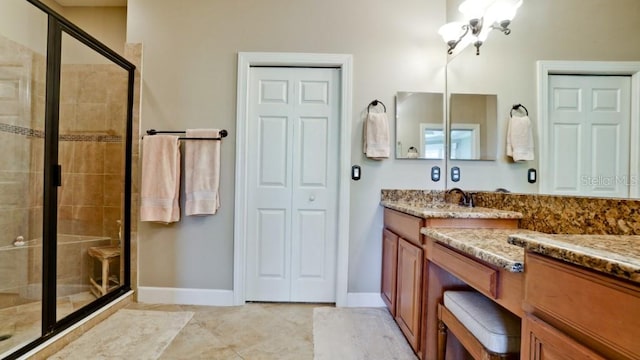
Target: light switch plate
(455, 174)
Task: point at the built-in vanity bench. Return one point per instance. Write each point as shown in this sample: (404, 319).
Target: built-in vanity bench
(412, 284)
(480, 258)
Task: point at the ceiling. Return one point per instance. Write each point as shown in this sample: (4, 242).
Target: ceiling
(92, 2)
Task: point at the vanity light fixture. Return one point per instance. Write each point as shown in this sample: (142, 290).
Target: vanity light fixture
(481, 17)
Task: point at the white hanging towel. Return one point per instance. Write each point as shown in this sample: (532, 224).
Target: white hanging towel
(202, 172)
(376, 136)
(160, 187)
(520, 139)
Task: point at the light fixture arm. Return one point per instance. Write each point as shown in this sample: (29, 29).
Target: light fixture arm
(504, 27)
(454, 43)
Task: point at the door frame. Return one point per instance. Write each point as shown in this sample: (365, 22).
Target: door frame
(624, 68)
(245, 61)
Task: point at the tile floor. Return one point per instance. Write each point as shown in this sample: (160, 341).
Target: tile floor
(254, 331)
(22, 322)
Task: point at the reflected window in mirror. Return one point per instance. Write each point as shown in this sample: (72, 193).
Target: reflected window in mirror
(465, 141)
(419, 125)
(432, 141)
(473, 126)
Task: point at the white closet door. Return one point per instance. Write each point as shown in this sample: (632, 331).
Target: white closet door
(589, 134)
(292, 169)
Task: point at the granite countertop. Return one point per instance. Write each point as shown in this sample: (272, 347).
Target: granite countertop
(489, 245)
(616, 255)
(453, 211)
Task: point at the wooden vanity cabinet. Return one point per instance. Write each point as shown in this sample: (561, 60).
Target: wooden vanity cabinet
(573, 309)
(409, 291)
(389, 270)
(401, 281)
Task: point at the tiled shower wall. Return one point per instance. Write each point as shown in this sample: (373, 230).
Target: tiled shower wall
(93, 103)
(22, 91)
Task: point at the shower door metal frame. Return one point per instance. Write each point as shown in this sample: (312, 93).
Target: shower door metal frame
(52, 175)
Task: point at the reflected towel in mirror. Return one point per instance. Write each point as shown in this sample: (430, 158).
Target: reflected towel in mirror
(520, 139)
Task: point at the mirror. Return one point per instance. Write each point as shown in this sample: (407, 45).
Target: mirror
(508, 66)
(419, 126)
(472, 126)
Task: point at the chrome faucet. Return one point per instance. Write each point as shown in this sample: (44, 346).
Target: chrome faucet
(466, 199)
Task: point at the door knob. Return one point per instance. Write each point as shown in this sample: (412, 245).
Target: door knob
(312, 198)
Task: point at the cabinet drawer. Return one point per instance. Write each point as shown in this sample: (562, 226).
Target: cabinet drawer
(406, 226)
(482, 277)
(597, 310)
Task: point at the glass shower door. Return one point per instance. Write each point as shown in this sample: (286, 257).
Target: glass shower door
(22, 84)
(91, 152)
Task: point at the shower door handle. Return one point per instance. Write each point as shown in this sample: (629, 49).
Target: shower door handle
(58, 175)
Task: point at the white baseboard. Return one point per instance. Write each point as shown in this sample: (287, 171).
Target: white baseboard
(364, 300)
(160, 295)
(179, 296)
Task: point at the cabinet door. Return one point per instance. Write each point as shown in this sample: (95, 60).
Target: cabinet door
(543, 342)
(389, 269)
(409, 291)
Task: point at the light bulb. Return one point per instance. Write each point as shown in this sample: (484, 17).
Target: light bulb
(451, 31)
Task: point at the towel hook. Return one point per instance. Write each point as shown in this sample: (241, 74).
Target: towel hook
(376, 103)
(516, 107)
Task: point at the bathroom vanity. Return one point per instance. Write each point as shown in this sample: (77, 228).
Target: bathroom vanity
(406, 269)
(578, 295)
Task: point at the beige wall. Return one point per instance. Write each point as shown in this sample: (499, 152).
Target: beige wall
(25, 24)
(189, 80)
(107, 24)
(542, 30)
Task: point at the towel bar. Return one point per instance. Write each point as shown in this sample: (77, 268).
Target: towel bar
(223, 134)
(516, 107)
(376, 103)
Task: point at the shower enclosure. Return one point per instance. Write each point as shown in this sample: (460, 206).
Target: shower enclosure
(65, 174)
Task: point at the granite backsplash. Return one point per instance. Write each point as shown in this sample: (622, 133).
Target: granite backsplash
(547, 213)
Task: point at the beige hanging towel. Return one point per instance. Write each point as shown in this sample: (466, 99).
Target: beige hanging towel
(202, 172)
(160, 189)
(376, 136)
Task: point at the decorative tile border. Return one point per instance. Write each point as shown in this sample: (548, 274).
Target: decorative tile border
(19, 130)
(92, 138)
